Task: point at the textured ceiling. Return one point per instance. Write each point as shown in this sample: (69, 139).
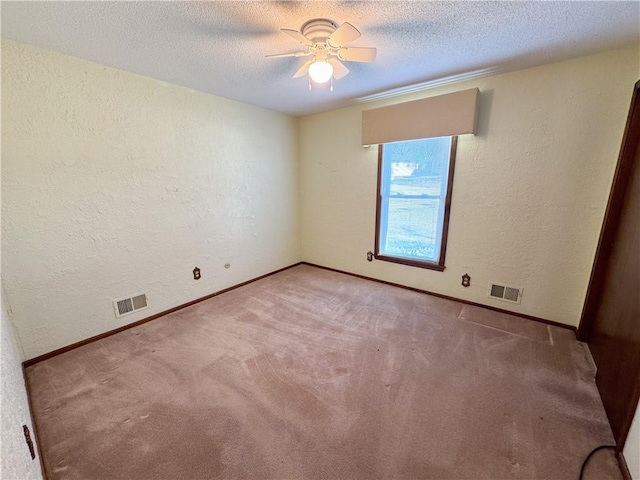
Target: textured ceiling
(220, 47)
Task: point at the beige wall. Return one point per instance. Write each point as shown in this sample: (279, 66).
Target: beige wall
(632, 447)
(529, 193)
(115, 184)
(15, 459)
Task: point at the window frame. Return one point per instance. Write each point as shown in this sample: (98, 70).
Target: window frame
(439, 265)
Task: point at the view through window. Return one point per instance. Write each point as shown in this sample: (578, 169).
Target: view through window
(413, 202)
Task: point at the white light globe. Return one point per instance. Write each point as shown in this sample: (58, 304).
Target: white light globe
(320, 71)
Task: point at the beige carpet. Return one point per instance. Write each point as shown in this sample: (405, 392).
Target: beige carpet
(314, 374)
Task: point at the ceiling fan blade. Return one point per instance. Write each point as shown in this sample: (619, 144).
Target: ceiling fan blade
(297, 36)
(339, 70)
(358, 54)
(344, 34)
(294, 54)
(302, 71)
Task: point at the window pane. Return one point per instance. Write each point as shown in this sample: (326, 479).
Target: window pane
(413, 191)
(412, 227)
(418, 167)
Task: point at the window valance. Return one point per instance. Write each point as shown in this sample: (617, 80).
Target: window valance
(441, 116)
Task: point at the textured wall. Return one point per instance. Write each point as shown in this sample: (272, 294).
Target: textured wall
(632, 447)
(529, 190)
(15, 460)
(116, 184)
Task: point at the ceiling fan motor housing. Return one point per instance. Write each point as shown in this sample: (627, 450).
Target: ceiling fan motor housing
(318, 30)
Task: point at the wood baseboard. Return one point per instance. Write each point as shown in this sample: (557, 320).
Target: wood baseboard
(447, 297)
(100, 336)
(46, 356)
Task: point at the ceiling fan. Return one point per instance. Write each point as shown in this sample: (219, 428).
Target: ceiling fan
(326, 44)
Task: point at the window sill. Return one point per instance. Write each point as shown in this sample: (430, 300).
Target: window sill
(411, 263)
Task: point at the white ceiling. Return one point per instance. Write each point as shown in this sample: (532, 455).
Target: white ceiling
(219, 47)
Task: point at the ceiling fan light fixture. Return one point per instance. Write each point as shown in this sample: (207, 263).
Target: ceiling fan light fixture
(320, 71)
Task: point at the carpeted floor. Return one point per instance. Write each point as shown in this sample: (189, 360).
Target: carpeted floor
(314, 374)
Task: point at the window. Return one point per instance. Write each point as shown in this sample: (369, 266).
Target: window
(414, 196)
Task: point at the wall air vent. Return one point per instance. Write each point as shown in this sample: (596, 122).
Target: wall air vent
(127, 305)
(505, 293)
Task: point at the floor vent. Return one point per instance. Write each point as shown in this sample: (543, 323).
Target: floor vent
(505, 293)
(125, 306)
